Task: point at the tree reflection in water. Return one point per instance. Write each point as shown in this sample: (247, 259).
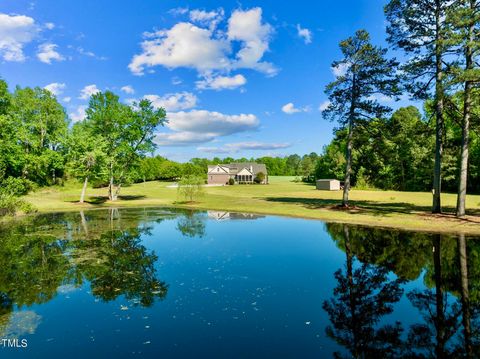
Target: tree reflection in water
(41, 255)
(192, 223)
(361, 298)
(38, 255)
(365, 293)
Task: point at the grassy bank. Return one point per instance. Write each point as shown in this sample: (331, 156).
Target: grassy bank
(405, 210)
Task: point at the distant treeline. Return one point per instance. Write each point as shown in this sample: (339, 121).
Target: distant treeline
(394, 153)
(160, 168)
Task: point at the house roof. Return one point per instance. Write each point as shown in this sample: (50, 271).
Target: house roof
(234, 168)
(224, 169)
(256, 167)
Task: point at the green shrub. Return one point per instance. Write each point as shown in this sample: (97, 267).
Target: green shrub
(362, 182)
(10, 205)
(191, 188)
(231, 181)
(16, 186)
(260, 177)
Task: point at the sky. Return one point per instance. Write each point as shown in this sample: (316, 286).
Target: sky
(237, 78)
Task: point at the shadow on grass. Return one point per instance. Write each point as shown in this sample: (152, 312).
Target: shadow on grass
(184, 202)
(98, 200)
(366, 207)
(131, 197)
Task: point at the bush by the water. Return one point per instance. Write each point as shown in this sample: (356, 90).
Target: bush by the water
(11, 189)
(10, 205)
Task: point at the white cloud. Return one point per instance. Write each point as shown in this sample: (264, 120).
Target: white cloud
(79, 114)
(305, 34)
(88, 91)
(324, 105)
(174, 101)
(178, 11)
(290, 109)
(221, 82)
(200, 126)
(207, 18)
(247, 27)
(214, 149)
(202, 121)
(255, 146)
(205, 48)
(87, 53)
(244, 146)
(340, 69)
(381, 98)
(184, 45)
(48, 52)
(56, 88)
(67, 99)
(182, 138)
(49, 25)
(15, 32)
(176, 80)
(128, 90)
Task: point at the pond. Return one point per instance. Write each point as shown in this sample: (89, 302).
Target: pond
(180, 284)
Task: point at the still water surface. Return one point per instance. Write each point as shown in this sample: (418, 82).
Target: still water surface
(181, 284)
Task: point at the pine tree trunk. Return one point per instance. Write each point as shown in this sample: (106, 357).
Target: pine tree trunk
(440, 310)
(437, 174)
(348, 169)
(465, 295)
(467, 108)
(351, 297)
(84, 190)
(462, 183)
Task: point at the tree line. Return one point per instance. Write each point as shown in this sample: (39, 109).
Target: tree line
(161, 168)
(112, 147)
(439, 39)
(39, 148)
(436, 149)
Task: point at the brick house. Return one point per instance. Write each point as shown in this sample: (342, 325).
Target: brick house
(240, 172)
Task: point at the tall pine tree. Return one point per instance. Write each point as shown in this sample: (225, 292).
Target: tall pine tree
(362, 77)
(464, 22)
(418, 27)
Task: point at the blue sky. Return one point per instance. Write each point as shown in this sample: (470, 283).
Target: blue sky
(237, 78)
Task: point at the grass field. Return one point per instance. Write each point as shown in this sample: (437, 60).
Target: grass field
(405, 210)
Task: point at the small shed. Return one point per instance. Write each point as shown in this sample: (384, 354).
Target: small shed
(328, 184)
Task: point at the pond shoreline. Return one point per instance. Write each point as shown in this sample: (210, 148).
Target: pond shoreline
(282, 197)
(462, 228)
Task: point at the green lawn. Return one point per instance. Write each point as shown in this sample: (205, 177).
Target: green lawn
(407, 210)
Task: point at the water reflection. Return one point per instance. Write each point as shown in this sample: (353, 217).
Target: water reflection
(192, 224)
(223, 216)
(365, 293)
(41, 256)
(386, 294)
